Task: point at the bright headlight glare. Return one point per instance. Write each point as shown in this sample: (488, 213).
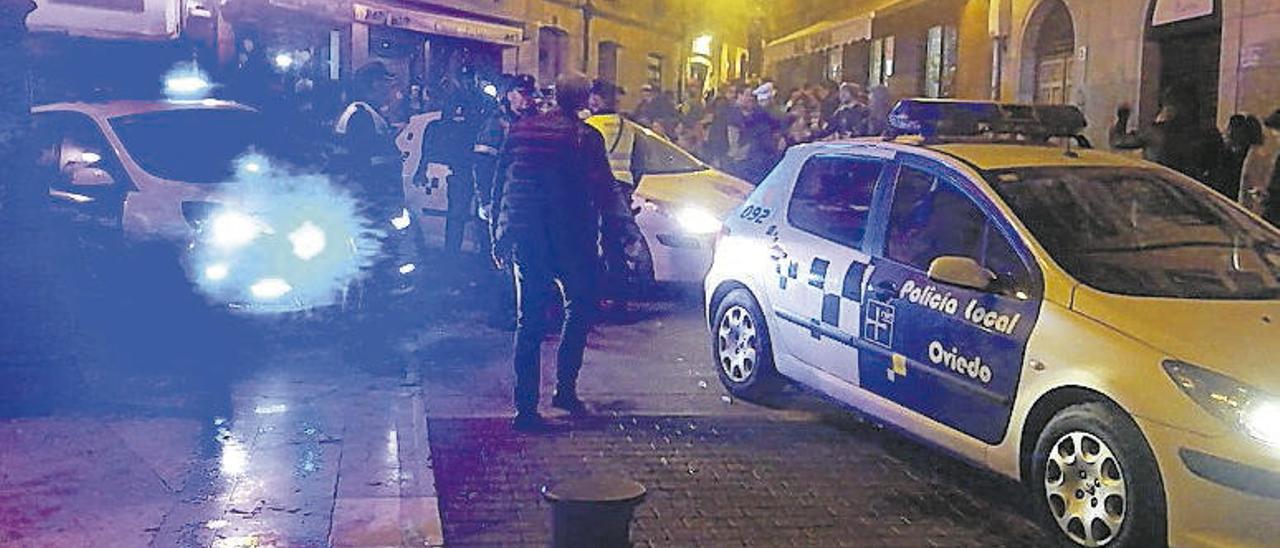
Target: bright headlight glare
(401, 221)
(232, 229)
(270, 288)
(1240, 405)
(698, 221)
(308, 241)
(1262, 421)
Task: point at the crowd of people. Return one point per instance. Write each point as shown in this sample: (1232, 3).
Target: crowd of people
(743, 128)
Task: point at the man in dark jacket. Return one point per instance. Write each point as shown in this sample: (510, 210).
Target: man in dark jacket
(559, 190)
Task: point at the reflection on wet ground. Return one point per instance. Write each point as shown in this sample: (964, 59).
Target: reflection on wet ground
(135, 415)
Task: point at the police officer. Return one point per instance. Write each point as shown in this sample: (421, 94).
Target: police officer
(367, 154)
(625, 156)
(519, 100)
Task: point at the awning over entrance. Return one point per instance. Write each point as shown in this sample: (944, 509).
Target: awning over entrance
(435, 23)
(1172, 11)
(818, 37)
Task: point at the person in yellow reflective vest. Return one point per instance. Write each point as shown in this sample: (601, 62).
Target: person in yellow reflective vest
(623, 145)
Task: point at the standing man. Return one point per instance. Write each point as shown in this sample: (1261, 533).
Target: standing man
(850, 120)
(558, 192)
(519, 101)
(1177, 139)
(368, 157)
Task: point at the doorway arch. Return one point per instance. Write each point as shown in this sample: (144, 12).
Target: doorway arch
(1048, 54)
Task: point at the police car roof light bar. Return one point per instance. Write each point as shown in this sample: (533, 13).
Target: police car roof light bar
(939, 120)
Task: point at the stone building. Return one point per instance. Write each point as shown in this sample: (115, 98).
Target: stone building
(1097, 54)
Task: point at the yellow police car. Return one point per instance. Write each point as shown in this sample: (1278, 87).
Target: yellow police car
(1100, 328)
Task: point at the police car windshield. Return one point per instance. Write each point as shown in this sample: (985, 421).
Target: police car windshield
(1142, 232)
(189, 145)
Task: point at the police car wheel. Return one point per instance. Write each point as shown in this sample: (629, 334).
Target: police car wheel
(1095, 480)
(741, 346)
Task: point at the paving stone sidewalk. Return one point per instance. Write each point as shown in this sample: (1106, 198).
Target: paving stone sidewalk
(727, 481)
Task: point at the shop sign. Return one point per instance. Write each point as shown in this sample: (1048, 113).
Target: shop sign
(1172, 11)
(432, 23)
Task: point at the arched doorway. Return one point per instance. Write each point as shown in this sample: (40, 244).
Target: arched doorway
(1049, 54)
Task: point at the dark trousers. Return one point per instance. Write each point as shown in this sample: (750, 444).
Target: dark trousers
(462, 190)
(537, 278)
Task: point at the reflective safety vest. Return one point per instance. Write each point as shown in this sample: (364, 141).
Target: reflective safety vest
(620, 141)
(379, 123)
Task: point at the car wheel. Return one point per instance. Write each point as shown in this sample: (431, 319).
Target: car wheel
(741, 347)
(1095, 480)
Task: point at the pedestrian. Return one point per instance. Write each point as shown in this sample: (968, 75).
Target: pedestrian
(878, 106)
(754, 136)
(851, 119)
(519, 100)
(723, 110)
(367, 156)
(1176, 140)
(559, 191)
(1243, 133)
(1265, 166)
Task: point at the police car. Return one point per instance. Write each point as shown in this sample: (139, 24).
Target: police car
(1098, 327)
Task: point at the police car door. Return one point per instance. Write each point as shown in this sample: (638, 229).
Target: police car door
(950, 352)
(820, 261)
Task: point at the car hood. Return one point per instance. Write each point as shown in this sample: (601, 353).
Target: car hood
(717, 192)
(1240, 339)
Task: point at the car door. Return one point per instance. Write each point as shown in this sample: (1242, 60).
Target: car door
(819, 261)
(949, 352)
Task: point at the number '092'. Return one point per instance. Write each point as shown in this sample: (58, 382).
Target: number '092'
(755, 214)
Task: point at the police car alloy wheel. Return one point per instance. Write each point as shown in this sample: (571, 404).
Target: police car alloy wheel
(1095, 480)
(741, 346)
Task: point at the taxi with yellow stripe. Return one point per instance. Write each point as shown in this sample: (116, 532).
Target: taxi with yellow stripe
(1102, 329)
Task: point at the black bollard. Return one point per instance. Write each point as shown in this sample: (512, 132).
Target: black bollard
(593, 512)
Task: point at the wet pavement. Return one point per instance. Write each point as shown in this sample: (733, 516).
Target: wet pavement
(169, 426)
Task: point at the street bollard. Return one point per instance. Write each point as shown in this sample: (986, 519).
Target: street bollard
(593, 512)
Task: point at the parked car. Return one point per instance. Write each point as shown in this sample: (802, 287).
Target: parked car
(1097, 327)
(148, 168)
(680, 201)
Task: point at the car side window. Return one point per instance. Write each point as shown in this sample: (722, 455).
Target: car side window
(78, 143)
(931, 218)
(832, 197)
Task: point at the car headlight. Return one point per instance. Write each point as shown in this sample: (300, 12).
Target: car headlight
(270, 288)
(1243, 407)
(233, 229)
(698, 221)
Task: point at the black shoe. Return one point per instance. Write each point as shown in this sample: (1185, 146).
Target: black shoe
(570, 403)
(530, 422)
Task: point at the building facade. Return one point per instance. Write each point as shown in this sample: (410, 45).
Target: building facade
(1096, 54)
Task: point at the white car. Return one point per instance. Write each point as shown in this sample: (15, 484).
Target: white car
(147, 167)
(680, 201)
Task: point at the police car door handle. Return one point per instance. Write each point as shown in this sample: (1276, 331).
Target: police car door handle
(777, 253)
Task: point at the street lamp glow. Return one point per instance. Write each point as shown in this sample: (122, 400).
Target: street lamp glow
(283, 61)
(702, 45)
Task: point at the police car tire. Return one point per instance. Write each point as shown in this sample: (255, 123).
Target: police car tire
(763, 378)
(1144, 501)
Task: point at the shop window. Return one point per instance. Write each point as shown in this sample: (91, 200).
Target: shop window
(653, 70)
(940, 61)
(835, 65)
(607, 61)
(882, 50)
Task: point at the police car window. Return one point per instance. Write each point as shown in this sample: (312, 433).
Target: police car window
(931, 218)
(77, 142)
(663, 158)
(1144, 232)
(832, 198)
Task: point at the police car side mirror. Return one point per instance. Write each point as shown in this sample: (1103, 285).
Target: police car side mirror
(962, 272)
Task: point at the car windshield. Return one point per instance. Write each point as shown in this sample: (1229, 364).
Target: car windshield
(1144, 232)
(190, 145)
